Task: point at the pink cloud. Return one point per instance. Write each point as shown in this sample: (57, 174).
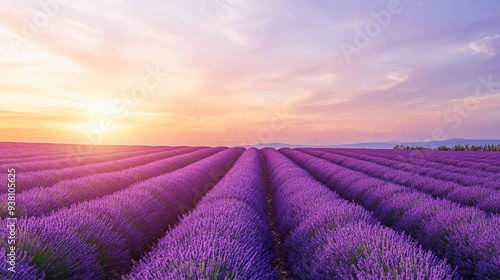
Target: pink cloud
(489, 45)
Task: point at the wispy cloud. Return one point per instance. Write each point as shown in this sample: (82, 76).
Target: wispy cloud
(489, 45)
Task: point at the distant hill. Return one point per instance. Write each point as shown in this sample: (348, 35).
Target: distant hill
(384, 145)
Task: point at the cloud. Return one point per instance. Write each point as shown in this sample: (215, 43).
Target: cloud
(489, 45)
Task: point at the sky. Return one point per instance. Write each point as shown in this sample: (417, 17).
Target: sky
(241, 72)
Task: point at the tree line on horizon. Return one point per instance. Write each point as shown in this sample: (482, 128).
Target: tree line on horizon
(466, 147)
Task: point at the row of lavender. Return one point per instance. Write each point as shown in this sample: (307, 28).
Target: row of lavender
(22, 151)
(441, 160)
(467, 237)
(484, 198)
(63, 161)
(466, 176)
(26, 150)
(486, 161)
(42, 201)
(48, 173)
(49, 176)
(100, 238)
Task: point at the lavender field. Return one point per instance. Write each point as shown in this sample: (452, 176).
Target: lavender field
(142, 212)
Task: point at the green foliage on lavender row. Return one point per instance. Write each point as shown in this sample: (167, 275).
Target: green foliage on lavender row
(466, 147)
